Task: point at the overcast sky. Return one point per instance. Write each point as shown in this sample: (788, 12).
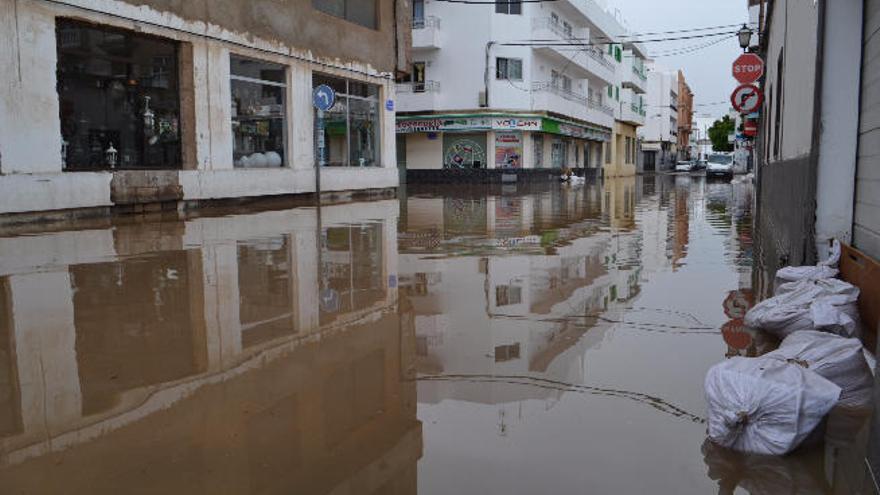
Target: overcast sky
(707, 71)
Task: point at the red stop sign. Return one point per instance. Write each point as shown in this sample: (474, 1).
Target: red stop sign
(748, 68)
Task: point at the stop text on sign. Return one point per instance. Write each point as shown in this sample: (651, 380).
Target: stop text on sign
(748, 68)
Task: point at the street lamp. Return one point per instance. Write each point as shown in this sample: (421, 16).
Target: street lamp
(745, 37)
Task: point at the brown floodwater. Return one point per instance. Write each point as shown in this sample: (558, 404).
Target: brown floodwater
(516, 340)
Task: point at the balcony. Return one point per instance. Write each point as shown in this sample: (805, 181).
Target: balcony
(590, 63)
(426, 33)
(551, 98)
(415, 96)
(632, 114)
(636, 80)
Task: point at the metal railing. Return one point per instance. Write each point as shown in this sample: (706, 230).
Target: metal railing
(425, 22)
(598, 105)
(640, 73)
(555, 89)
(419, 87)
(599, 56)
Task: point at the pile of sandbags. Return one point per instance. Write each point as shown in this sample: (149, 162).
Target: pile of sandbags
(822, 270)
(837, 359)
(825, 304)
(765, 405)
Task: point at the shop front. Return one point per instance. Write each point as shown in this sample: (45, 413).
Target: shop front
(496, 145)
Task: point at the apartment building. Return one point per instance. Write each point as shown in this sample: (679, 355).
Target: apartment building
(660, 133)
(122, 103)
(685, 117)
(513, 87)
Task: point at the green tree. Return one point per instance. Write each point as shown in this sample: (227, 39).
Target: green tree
(718, 134)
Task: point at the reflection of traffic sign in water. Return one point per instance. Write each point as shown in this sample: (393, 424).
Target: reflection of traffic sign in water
(329, 301)
(324, 97)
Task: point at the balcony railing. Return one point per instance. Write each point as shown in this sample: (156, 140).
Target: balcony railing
(425, 22)
(640, 73)
(555, 89)
(419, 87)
(598, 105)
(599, 56)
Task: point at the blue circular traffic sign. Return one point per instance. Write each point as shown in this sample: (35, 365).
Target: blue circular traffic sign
(323, 97)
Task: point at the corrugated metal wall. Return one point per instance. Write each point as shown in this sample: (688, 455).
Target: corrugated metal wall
(866, 228)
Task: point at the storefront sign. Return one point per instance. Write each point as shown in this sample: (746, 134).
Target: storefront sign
(508, 150)
(516, 123)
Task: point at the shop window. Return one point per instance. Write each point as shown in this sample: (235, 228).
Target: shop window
(464, 150)
(361, 12)
(259, 121)
(508, 7)
(351, 127)
(119, 98)
(508, 68)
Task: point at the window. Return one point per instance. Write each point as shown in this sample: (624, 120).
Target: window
(618, 54)
(554, 19)
(506, 352)
(607, 153)
(566, 28)
(538, 145)
(361, 12)
(508, 68)
(118, 97)
(505, 295)
(617, 93)
(259, 121)
(351, 127)
(418, 14)
(508, 7)
(628, 155)
(554, 78)
(418, 77)
(566, 84)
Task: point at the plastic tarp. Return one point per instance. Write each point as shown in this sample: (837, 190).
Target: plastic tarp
(828, 304)
(838, 359)
(765, 405)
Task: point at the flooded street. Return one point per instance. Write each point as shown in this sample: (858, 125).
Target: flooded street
(543, 339)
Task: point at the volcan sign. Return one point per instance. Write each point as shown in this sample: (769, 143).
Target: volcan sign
(748, 68)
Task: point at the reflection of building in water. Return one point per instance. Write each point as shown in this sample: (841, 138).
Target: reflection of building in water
(188, 357)
(680, 226)
(520, 296)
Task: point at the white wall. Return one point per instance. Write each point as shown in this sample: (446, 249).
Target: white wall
(835, 181)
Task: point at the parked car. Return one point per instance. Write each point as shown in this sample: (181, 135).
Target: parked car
(684, 166)
(720, 165)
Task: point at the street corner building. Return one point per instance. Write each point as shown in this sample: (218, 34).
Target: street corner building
(117, 105)
(480, 104)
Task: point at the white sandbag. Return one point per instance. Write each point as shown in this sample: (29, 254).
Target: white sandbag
(838, 359)
(765, 405)
(761, 474)
(833, 257)
(796, 273)
(828, 304)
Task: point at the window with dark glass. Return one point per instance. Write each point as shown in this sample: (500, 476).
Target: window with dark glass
(118, 97)
(508, 7)
(508, 68)
(259, 121)
(351, 127)
(361, 12)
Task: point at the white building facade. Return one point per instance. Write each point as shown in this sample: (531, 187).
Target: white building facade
(107, 104)
(512, 86)
(660, 132)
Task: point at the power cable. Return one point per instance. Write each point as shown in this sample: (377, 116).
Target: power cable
(550, 43)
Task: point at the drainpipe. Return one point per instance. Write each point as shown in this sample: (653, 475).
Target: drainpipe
(486, 72)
